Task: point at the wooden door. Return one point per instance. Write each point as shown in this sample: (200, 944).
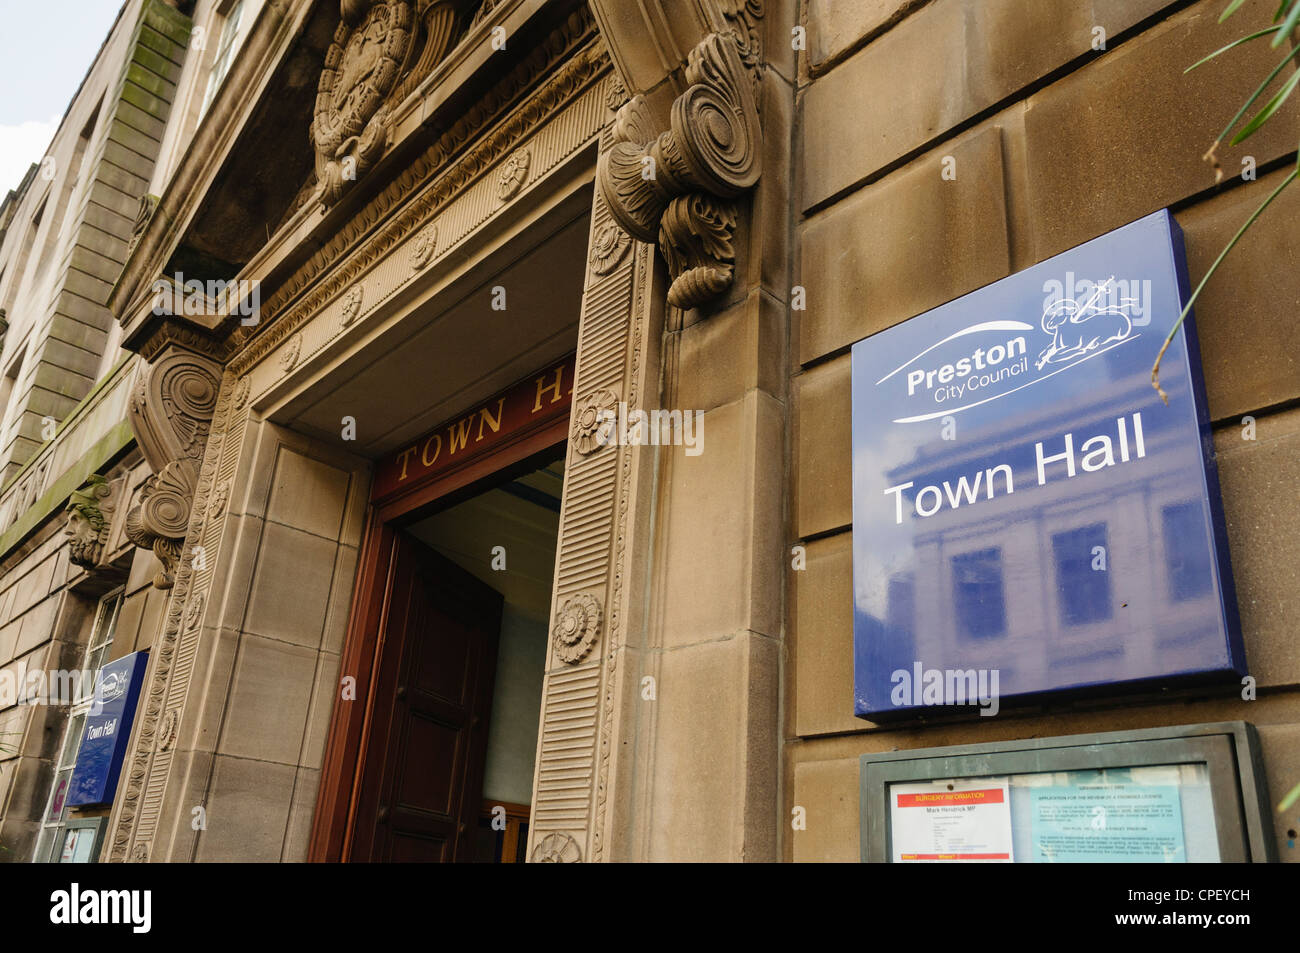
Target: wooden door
(423, 765)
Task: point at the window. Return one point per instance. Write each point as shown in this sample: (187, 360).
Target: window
(224, 54)
(977, 594)
(1084, 590)
(8, 383)
(51, 842)
(1187, 558)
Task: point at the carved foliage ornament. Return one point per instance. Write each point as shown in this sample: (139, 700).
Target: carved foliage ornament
(90, 515)
(170, 411)
(678, 187)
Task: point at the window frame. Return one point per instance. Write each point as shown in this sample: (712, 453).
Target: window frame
(49, 836)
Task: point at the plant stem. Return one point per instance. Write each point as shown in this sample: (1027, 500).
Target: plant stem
(1155, 369)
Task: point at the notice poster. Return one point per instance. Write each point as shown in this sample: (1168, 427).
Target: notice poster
(951, 821)
(1107, 823)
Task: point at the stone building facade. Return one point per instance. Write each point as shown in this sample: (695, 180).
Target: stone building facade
(435, 242)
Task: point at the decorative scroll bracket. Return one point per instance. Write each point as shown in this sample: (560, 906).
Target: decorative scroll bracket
(170, 411)
(679, 187)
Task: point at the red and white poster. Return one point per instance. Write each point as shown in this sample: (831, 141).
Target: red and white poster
(951, 821)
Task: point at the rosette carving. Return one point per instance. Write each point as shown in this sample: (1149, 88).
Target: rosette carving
(557, 848)
(608, 247)
(170, 412)
(513, 173)
(678, 187)
(577, 627)
(591, 422)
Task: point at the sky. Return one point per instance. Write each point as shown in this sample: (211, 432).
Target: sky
(38, 78)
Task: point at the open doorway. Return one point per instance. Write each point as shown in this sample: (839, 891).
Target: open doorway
(505, 538)
(453, 736)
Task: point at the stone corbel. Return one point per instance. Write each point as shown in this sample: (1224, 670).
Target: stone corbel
(170, 411)
(90, 512)
(679, 187)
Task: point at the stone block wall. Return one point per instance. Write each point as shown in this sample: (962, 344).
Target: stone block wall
(103, 156)
(47, 613)
(1053, 143)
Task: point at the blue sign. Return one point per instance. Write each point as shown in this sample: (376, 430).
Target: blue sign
(1028, 515)
(108, 729)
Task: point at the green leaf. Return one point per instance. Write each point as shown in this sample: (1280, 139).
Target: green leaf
(1292, 18)
(1270, 107)
(1258, 92)
(1292, 796)
(1236, 42)
(1155, 368)
(1281, 8)
(1232, 8)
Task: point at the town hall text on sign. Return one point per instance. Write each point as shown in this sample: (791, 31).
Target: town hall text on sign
(1027, 512)
(540, 398)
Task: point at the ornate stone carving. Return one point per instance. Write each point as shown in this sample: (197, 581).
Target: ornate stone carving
(167, 731)
(437, 175)
(352, 303)
(140, 855)
(194, 613)
(678, 187)
(513, 173)
(241, 393)
(577, 626)
(591, 423)
(90, 516)
(615, 94)
(608, 246)
(556, 848)
(147, 205)
(289, 354)
(170, 412)
(425, 244)
(220, 497)
(372, 45)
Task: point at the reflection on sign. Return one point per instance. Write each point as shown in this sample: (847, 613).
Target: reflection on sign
(1023, 502)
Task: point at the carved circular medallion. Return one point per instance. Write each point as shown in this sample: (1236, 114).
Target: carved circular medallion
(557, 848)
(352, 303)
(241, 393)
(289, 354)
(513, 173)
(167, 731)
(361, 67)
(593, 424)
(608, 247)
(140, 854)
(422, 249)
(577, 626)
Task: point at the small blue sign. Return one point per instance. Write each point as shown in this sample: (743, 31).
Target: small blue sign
(108, 729)
(1028, 515)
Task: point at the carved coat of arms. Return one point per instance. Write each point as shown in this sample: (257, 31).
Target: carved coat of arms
(370, 50)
